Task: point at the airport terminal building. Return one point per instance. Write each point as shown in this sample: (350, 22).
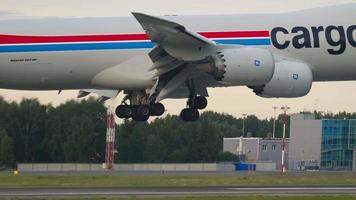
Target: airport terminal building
(328, 144)
(325, 144)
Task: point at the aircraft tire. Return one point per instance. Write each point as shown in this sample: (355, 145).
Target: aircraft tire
(123, 111)
(189, 115)
(157, 109)
(200, 102)
(141, 113)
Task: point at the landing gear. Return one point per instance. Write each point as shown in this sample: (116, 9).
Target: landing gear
(196, 103)
(189, 115)
(124, 111)
(140, 107)
(200, 102)
(157, 109)
(140, 113)
(136, 106)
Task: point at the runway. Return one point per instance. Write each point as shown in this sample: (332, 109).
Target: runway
(177, 191)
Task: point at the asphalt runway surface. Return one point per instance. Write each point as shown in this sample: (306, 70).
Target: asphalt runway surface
(176, 191)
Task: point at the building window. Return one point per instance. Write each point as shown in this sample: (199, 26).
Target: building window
(337, 144)
(264, 147)
(274, 147)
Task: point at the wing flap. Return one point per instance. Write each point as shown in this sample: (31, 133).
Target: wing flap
(104, 94)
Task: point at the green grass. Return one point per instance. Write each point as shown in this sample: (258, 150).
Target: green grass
(218, 198)
(275, 179)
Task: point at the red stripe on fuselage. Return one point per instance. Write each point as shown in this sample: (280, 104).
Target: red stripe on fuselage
(235, 34)
(22, 39)
(19, 39)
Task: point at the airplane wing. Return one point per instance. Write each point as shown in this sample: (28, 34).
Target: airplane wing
(104, 94)
(174, 38)
(175, 57)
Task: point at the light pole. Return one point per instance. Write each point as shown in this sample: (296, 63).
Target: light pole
(284, 109)
(243, 124)
(274, 122)
(322, 114)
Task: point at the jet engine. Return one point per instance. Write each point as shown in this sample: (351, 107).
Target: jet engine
(291, 79)
(241, 66)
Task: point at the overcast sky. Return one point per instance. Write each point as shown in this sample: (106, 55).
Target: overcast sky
(340, 96)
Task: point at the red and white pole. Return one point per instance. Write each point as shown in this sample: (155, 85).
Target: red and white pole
(283, 167)
(110, 140)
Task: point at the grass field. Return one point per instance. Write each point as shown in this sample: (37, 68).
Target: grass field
(291, 179)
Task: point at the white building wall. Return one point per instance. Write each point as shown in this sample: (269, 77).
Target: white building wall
(305, 140)
(250, 146)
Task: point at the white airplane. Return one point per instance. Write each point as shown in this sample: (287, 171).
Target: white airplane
(276, 55)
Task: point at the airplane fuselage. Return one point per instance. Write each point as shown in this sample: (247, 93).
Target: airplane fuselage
(56, 54)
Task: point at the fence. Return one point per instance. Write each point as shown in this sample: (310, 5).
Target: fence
(191, 167)
(73, 167)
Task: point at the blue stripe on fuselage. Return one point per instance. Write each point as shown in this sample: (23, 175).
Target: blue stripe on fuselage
(111, 45)
(247, 42)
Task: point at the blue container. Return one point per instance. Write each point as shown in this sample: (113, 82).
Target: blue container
(245, 167)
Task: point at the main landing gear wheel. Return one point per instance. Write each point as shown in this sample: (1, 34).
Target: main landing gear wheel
(189, 114)
(141, 113)
(157, 109)
(123, 111)
(195, 103)
(200, 102)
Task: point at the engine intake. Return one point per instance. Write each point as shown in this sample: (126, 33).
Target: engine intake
(241, 66)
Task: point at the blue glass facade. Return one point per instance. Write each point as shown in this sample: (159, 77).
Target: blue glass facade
(338, 143)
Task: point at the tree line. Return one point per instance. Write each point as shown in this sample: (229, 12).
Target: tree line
(75, 131)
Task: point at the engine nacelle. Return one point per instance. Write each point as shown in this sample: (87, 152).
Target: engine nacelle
(248, 66)
(241, 66)
(291, 79)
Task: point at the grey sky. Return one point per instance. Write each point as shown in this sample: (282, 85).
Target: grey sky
(324, 96)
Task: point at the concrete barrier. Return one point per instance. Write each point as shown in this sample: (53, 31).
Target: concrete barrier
(40, 167)
(124, 167)
(140, 167)
(266, 166)
(225, 167)
(196, 167)
(189, 167)
(97, 167)
(182, 167)
(210, 167)
(25, 167)
(54, 167)
(83, 167)
(69, 167)
(168, 167)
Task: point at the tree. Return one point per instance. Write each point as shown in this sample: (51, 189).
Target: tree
(28, 129)
(228, 157)
(154, 149)
(83, 128)
(7, 157)
(54, 137)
